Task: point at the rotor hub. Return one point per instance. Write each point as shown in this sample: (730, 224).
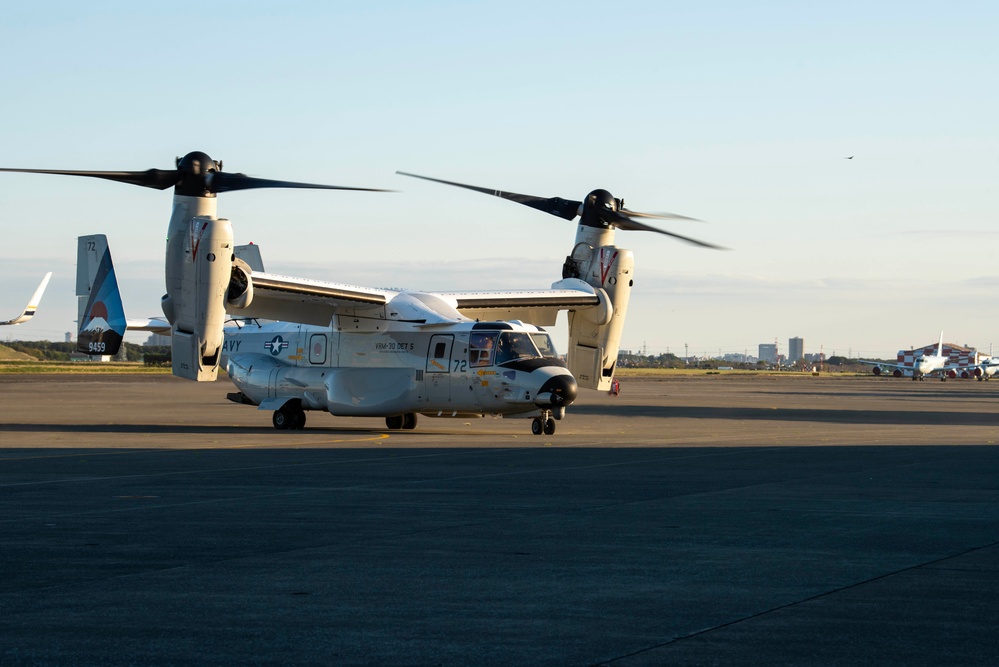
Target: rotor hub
(600, 209)
(196, 171)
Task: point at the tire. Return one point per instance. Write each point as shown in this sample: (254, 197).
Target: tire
(537, 426)
(409, 421)
(549, 426)
(394, 423)
(290, 416)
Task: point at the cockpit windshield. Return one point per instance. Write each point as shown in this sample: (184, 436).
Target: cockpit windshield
(488, 348)
(513, 345)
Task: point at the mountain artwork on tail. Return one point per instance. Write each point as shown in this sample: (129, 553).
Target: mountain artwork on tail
(102, 316)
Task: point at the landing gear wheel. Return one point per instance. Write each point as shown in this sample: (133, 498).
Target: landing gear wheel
(394, 422)
(409, 421)
(537, 426)
(549, 426)
(289, 417)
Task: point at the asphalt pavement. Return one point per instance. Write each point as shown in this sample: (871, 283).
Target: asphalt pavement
(703, 520)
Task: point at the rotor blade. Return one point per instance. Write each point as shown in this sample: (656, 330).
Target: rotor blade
(158, 179)
(228, 182)
(658, 216)
(563, 208)
(636, 226)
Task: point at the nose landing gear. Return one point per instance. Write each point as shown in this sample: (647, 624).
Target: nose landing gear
(545, 422)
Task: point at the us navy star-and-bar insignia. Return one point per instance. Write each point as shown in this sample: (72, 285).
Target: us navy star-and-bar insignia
(276, 344)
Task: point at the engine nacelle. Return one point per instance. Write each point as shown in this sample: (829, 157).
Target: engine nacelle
(595, 338)
(239, 294)
(876, 370)
(196, 306)
(897, 373)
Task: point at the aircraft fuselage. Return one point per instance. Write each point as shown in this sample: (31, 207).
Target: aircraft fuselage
(445, 372)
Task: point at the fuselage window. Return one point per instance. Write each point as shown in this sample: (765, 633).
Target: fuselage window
(439, 350)
(480, 349)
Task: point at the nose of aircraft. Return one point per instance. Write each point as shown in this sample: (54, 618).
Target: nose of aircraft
(560, 390)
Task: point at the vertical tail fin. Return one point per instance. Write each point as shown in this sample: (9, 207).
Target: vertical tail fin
(250, 254)
(940, 346)
(29, 310)
(101, 314)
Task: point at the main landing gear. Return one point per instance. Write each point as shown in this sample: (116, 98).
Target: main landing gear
(406, 421)
(545, 422)
(289, 416)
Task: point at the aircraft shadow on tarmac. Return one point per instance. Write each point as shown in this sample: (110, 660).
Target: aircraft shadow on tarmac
(902, 418)
(173, 429)
(619, 410)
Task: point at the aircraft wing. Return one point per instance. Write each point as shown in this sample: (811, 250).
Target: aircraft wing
(535, 306)
(277, 297)
(153, 324)
(883, 364)
(29, 310)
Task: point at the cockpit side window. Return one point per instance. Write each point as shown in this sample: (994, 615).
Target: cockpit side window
(514, 345)
(480, 349)
(544, 344)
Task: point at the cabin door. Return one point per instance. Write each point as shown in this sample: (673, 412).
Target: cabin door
(439, 368)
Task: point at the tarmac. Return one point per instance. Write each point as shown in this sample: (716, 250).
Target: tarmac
(705, 520)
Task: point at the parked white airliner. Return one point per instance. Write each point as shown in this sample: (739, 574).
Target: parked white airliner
(922, 365)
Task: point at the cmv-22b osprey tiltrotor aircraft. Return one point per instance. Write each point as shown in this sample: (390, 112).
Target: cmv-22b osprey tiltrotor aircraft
(359, 351)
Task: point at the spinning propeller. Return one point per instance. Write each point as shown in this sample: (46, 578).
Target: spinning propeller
(600, 209)
(196, 175)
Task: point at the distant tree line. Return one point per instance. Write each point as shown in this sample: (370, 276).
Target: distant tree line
(44, 350)
(157, 355)
(670, 360)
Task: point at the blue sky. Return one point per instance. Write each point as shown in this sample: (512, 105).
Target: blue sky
(740, 114)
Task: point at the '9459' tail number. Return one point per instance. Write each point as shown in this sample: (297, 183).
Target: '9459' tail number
(98, 347)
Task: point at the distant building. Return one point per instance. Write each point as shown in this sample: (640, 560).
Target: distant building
(158, 340)
(795, 349)
(69, 336)
(768, 352)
